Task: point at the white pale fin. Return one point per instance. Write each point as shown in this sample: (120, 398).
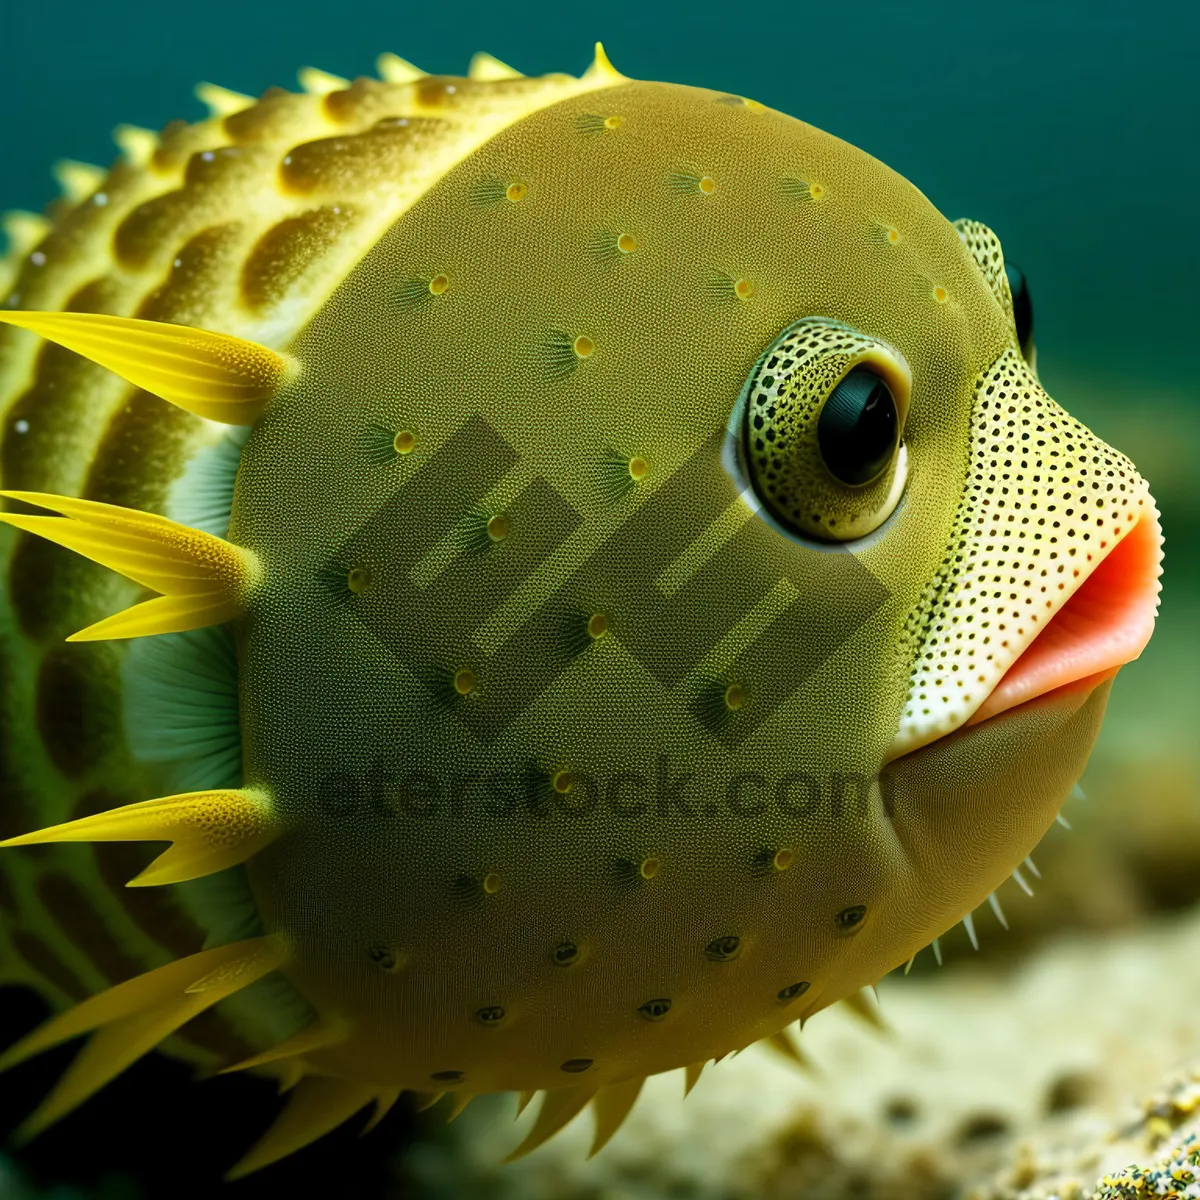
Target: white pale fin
(1064, 822)
(611, 1105)
(314, 1108)
(559, 1107)
(937, 950)
(1033, 870)
(1077, 793)
(969, 925)
(994, 901)
(1021, 882)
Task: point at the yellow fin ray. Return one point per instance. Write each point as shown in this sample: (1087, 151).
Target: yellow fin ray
(488, 69)
(213, 375)
(385, 1101)
(394, 69)
(320, 83)
(137, 144)
(691, 1076)
(23, 231)
(559, 1108)
(426, 1100)
(612, 1104)
(204, 579)
(602, 68)
(221, 101)
(315, 1037)
(864, 1004)
(133, 1017)
(785, 1043)
(78, 180)
(315, 1108)
(210, 831)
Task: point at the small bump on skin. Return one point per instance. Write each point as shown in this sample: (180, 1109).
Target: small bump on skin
(687, 184)
(723, 949)
(639, 468)
(404, 442)
(793, 991)
(566, 954)
(655, 1010)
(583, 346)
(386, 958)
(359, 580)
(562, 782)
(499, 527)
(516, 192)
(491, 884)
(597, 626)
(627, 243)
(465, 681)
(438, 285)
(850, 920)
(650, 867)
(783, 859)
(735, 697)
(743, 289)
(940, 295)
(892, 234)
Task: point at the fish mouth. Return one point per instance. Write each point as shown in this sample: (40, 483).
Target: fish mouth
(1103, 623)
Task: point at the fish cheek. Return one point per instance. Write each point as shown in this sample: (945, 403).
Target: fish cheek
(968, 806)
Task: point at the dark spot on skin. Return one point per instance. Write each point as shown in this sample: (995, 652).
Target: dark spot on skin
(723, 949)
(981, 1127)
(655, 1010)
(575, 1066)
(792, 991)
(850, 920)
(448, 1076)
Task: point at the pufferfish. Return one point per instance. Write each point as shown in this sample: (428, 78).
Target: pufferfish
(582, 573)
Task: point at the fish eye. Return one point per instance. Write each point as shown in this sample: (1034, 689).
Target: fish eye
(1018, 285)
(822, 430)
(857, 428)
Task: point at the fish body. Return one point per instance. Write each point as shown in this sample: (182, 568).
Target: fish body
(623, 589)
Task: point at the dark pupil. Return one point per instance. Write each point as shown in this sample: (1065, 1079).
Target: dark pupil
(857, 428)
(1022, 306)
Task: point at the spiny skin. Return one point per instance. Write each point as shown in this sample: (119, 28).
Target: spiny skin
(561, 726)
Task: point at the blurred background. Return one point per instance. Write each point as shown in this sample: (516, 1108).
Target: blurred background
(1071, 130)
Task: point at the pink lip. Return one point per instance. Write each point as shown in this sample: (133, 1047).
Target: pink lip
(1105, 623)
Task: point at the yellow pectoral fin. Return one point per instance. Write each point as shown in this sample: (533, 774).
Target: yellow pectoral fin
(212, 375)
(209, 832)
(204, 579)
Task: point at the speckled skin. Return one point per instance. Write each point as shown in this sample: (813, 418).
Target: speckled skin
(401, 666)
